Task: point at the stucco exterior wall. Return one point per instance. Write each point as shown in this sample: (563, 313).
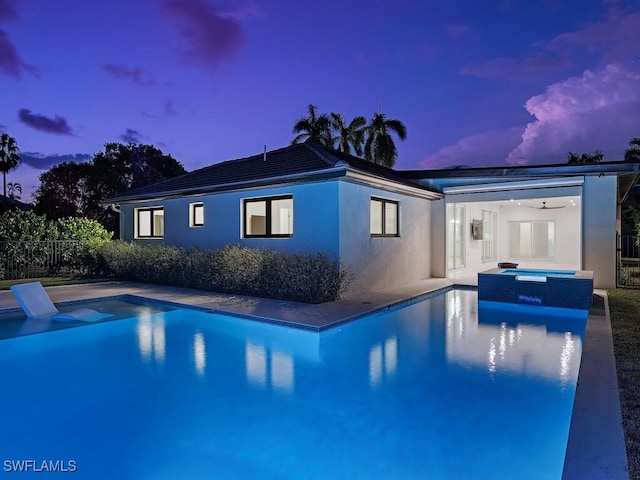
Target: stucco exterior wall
(379, 262)
(568, 235)
(599, 219)
(315, 207)
(331, 216)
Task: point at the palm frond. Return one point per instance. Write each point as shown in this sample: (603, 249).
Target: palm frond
(632, 154)
(379, 145)
(313, 128)
(398, 127)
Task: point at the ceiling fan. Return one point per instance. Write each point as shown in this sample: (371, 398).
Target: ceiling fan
(544, 207)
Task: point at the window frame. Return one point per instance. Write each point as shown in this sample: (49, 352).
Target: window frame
(456, 236)
(532, 238)
(152, 226)
(489, 236)
(192, 214)
(384, 202)
(268, 216)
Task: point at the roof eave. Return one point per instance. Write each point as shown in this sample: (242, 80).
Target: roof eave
(524, 170)
(407, 188)
(271, 181)
(341, 170)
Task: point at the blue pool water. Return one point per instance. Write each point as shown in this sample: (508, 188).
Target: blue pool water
(541, 273)
(438, 389)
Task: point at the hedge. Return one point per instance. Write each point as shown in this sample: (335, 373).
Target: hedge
(309, 277)
(27, 242)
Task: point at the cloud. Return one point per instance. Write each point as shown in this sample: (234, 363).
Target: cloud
(211, 34)
(484, 149)
(7, 12)
(615, 39)
(456, 31)
(40, 161)
(598, 110)
(134, 75)
(169, 109)
(360, 58)
(130, 136)
(514, 68)
(10, 62)
(57, 125)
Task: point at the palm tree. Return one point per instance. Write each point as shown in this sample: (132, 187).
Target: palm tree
(9, 157)
(14, 187)
(348, 136)
(379, 147)
(313, 128)
(593, 157)
(632, 154)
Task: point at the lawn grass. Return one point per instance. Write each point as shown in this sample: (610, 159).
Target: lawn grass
(54, 281)
(625, 324)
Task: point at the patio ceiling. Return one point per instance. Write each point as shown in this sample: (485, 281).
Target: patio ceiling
(573, 201)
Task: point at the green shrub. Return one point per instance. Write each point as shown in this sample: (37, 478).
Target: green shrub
(90, 236)
(624, 275)
(309, 277)
(29, 245)
(17, 224)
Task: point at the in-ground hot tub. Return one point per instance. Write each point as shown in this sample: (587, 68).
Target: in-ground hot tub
(550, 288)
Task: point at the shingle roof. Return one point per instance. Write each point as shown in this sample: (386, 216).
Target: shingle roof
(297, 159)
(12, 202)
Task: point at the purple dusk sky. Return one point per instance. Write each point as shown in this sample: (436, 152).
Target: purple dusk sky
(476, 82)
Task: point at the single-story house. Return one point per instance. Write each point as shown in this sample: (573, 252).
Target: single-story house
(7, 203)
(390, 227)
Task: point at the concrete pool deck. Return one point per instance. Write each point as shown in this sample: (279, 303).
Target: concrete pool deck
(595, 449)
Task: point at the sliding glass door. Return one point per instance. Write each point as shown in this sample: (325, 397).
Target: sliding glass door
(455, 236)
(489, 234)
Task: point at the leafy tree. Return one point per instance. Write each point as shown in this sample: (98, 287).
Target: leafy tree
(632, 154)
(64, 191)
(313, 128)
(14, 189)
(379, 146)
(74, 189)
(591, 157)
(347, 136)
(122, 167)
(333, 131)
(9, 157)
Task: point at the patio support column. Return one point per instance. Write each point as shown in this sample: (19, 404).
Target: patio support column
(599, 218)
(438, 239)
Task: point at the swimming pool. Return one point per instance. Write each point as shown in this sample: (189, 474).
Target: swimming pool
(537, 273)
(424, 391)
(552, 288)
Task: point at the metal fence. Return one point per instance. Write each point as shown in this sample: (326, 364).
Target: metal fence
(628, 261)
(35, 259)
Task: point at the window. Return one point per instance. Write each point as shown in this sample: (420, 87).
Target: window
(535, 240)
(268, 217)
(150, 222)
(455, 236)
(489, 234)
(384, 218)
(196, 214)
